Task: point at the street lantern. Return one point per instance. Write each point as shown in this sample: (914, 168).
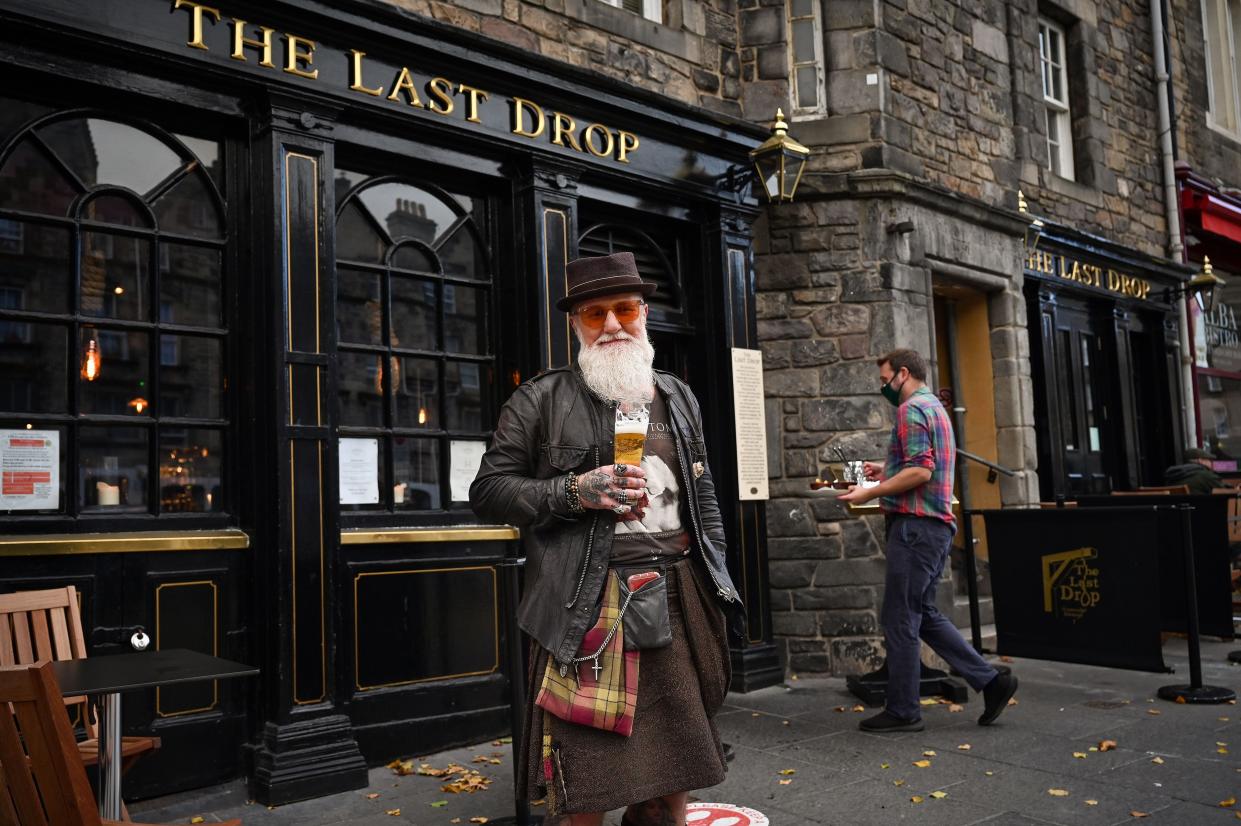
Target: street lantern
(779, 162)
(1205, 286)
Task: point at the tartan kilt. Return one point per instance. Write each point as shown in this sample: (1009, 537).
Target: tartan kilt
(674, 745)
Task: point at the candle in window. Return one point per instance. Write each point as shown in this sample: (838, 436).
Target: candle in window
(398, 492)
(422, 415)
(108, 494)
(138, 404)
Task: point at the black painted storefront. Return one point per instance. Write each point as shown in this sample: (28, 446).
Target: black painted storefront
(322, 258)
(1105, 363)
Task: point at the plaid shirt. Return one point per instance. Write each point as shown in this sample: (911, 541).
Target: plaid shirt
(922, 437)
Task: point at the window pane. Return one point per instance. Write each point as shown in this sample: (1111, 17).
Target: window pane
(15, 114)
(415, 466)
(106, 152)
(191, 370)
(803, 40)
(461, 255)
(466, 396)
(116, 276)
(1057, 83)
(31, 182)
(189, 285)
(34, 267)
(117, 383)
(356, 238)
(465, 320)
(413, 313)
(407, 211)
(803, 8)
(359, 307)
(417, 400)
(189, 208)
(410, 257)
(34, 361)
(360, 389)
(807, 87)
(114, 209)
(114, 469)
(209, 155)
(190, 463)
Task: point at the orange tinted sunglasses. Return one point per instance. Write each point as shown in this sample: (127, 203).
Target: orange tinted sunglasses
(594, 315)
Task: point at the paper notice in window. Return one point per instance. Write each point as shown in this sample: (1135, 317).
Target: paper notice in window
(29, 470)
(359, 471)
(466, 457)
(751, 423)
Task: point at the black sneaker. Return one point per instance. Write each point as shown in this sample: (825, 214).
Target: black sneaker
(996, 696)
(886, 722)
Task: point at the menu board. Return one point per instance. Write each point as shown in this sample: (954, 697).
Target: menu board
(29, 470)
(466, 456)
(751, 423)
(359, 471)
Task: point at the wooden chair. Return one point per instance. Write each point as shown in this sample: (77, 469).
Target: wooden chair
(46, 625)
(1172, 490)
(42, 778)
(1052, 505)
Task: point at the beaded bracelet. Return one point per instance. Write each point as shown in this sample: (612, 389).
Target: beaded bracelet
(571, 494)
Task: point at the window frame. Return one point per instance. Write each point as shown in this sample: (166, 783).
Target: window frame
(798, 111)
(1058, 110)
(1230, 11)
(652, 10)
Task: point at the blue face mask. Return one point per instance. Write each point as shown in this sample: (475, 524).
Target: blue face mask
(892, 394)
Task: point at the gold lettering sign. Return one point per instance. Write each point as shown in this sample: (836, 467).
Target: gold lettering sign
(1070, 583)
(1088, 275)
(256, 44)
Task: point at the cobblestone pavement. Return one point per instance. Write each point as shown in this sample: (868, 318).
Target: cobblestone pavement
(1040, 764)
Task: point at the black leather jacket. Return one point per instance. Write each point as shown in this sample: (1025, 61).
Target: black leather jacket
(551, 426)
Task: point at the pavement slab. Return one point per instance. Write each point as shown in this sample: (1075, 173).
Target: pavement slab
(838, 772)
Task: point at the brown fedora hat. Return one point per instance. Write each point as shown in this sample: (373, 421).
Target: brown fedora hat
(602, 275)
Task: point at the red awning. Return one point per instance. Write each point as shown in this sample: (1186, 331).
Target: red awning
(1216, 214)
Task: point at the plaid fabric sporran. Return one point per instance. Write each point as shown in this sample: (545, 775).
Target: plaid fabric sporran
(600, 687)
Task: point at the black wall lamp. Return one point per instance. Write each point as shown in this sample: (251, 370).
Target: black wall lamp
(1205, 287)
(779, 162)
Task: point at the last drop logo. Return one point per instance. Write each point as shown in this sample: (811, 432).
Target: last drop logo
(723, 814)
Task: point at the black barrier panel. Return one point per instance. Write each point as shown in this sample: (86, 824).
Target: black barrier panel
(1078, 585)
(1212, 565)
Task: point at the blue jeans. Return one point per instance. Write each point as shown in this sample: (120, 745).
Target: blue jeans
(917, 550)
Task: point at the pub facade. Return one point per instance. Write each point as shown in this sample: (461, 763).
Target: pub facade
(269, 272)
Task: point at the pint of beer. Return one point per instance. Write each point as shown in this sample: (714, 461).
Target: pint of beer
(632, 419)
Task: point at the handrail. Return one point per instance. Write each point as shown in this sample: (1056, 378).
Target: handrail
(992, 465)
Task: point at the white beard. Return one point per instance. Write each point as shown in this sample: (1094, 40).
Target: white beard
(618, 372)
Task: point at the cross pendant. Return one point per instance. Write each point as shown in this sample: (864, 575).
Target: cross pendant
(597, 669)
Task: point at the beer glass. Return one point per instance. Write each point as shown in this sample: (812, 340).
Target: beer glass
(632, 419)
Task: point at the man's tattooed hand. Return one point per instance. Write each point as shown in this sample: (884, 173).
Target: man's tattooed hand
(618, 488)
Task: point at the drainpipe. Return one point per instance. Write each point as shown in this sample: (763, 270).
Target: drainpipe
(1176, 248)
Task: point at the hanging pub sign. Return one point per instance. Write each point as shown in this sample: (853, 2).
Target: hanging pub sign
(210, 29)
(1216, 341)
(1085, 274)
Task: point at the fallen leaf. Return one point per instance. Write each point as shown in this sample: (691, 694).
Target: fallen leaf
(1229, 803)
(478, 758)
(198, 819)
(838, 709)
(1006, 659)
(1158, 761)
(1138, 814)
(1107, 745)
(785, 782)
(1221, 751)
(478, 820)
(1080, 755)
(1180, 700)
(898, 782)
(794, 677)
(393, 813)
(929, 753)
(1092, 803)
(916, 799)
(455, 820)
(964, 747)
(922, 764)
(1012, 701)
(785, 722)
(939, 795)
(859, 708)
(495, 761)
(989, 774)
(1058, 792)
(883, 765)
(1219, 743)
(755, 714)
(439, 804)
(372, 795)
(788, 771)
(929, 701)
(955, 709)
(1093, 748)
(1154, 712)
(1222, 719)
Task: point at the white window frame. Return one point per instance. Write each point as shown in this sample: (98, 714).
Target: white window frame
(1058, 111)
(652, 10)
(1229, 17)
(820, 91)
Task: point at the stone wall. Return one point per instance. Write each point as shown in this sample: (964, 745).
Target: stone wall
(1209, 152)
(692, 57)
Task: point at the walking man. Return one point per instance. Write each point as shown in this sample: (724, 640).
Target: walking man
(915, 492)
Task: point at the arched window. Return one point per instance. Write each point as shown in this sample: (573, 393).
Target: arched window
(112, 322)
(416, 364)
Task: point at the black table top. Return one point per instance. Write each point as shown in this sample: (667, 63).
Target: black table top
(143, 669)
